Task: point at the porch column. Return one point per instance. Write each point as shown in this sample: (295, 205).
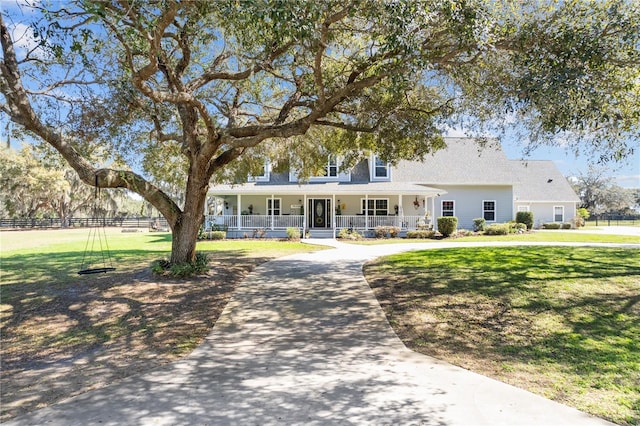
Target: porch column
(400, 218)
(305, 225)
(333, 214)
(433, 213)
(366, 212)
(272, 212)
(239, 210)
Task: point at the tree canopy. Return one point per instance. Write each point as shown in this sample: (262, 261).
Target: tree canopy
(187, 92)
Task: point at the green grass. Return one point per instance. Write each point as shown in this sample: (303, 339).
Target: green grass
(563, 322)
(550, 236)
(57, 255)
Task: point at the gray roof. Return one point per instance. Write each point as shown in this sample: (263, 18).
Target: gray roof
(325, 188)
(463, 162)
(540, 180)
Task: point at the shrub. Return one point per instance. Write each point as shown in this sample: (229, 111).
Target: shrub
(198, 266)
(479, 224)
(551, 225)
(349, 234)
(380, 232)
(387, 232)
(420, 234)
(293, 234)
(517, 227)
(497, 229)
(259, 232)
(526, 218)
(566, 225)
(217, 235)
(447, 225)
(578, 222)
(583, 213)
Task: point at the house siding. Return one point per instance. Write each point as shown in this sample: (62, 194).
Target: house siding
(468, 203)
(544, 212)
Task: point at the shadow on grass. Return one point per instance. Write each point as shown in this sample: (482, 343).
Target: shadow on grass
(567, 310)
(63, 332)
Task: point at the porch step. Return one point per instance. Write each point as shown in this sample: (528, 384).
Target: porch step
(321, 233)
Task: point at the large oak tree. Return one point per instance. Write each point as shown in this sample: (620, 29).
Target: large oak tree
(195, 91)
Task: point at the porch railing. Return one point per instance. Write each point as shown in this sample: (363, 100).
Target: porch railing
(297, 221)
(371, 222)
(255, 221)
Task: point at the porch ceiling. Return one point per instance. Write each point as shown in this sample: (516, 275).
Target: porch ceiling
(318, 188)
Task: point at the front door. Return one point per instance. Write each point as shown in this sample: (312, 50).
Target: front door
(319, 213)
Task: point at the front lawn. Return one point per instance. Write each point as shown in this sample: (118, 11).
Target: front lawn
(563, 322)
(63, 334)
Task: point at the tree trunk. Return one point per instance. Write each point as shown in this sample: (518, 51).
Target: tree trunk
(187, 225)
(184, 239)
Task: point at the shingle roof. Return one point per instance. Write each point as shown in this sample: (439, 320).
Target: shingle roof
(541, 180)
(463, 162)
(324, 188)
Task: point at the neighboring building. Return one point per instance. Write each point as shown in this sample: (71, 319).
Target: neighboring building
(462, 180)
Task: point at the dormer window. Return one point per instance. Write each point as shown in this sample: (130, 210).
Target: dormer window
(332, 167)
(264, 176)
(380, 170)
(330, 170)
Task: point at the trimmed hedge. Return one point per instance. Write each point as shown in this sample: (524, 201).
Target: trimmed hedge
(526, 218)
(421, 234)
(498, 229)
(479, 224)
(447, 225)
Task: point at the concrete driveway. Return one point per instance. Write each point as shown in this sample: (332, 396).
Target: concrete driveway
(304, 341)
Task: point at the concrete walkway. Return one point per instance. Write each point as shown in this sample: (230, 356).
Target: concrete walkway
(304, 341)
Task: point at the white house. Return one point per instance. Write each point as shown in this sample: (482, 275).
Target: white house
(462, 180)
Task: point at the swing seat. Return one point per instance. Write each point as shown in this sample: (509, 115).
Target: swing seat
(95, 271)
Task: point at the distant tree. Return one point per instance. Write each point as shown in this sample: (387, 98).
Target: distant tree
(598, 193)
(213, 87)
(26, 184)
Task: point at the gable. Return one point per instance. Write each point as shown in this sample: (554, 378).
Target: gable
(541, 180)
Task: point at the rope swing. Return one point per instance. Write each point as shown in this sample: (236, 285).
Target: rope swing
(97, 234)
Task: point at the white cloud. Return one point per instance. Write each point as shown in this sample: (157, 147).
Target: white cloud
(22, 35)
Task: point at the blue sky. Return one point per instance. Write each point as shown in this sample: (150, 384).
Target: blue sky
(625, 173)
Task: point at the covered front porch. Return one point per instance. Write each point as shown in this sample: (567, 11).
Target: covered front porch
(319, 209)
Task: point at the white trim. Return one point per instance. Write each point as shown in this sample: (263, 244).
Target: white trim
(442, 207)
(372, 170)
(366, 209)
(554, 213)
(272, 199)
(495, 210)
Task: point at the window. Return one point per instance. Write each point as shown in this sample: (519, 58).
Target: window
(379, 169)
(375, 206)
(264, 176)
(448, 208)
(489, 211)
(273, 206)
(558, 213)
(329, 171)
(332, 167)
